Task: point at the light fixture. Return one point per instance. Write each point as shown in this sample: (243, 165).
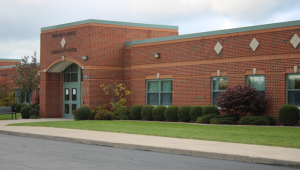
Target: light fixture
(254, 71)
(82, 67)
(218, 72)
(63, 58)
(295, 69)
(85, 57)
(157, 55)
(157, 75)
(45, 70)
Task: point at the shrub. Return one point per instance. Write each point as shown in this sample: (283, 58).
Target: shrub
(34, 114)
(241, 100)
(210, 109)
(18, 107)
(254, 120)
(158, 113)
(32, 105)
(147, 112)
(271, 120)
(224, 120)
(37, 107)
(74, 112)
(184, 113)
(288, 115)
(171, 114)
(122, 113)
(195, 112)
(206, 118)
(136, 112)
(23, 105)
(104, 114)
(13, 107)
(25, 112)
(83, 113)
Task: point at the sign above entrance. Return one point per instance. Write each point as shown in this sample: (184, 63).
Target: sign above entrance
(64, 34)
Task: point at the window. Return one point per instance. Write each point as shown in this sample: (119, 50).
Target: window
(159, 92)
(219, 84)
(23, 96)
(293, 89)
(257, 82)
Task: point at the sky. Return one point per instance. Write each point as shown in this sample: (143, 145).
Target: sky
(21, 20)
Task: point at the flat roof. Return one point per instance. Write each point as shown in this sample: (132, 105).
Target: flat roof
(110, 23)
(217, 32)
(6, 59)
(11, 66)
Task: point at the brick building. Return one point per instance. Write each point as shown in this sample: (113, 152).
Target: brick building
(161, 67)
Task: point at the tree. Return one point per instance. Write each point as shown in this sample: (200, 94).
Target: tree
(241, 100)
(26, 76)
(6, 94)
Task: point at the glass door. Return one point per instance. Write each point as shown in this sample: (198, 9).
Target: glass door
(71, 90)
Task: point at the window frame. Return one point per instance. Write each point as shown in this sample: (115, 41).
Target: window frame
(212, 88)
(257, 75)
(287, 87)
(159, 91)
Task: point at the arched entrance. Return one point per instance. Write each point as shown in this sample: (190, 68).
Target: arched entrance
(72, 90)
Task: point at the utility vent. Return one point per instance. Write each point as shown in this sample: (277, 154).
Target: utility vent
(295, 40)
(218, 48)
(254, 44)
(63, 43)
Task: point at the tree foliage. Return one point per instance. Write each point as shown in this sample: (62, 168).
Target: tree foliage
(26, 76)
(240, 100)
(6, 94)
(116, 92)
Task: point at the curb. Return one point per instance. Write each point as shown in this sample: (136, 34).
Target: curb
(231, 157)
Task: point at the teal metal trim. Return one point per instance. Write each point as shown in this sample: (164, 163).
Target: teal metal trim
(159, 92)
(212, 87)
(5, 59)
(217, 32)
(257, 75)
(109, 22)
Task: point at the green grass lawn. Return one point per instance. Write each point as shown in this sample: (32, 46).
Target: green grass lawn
(8, 116)
(270, 136)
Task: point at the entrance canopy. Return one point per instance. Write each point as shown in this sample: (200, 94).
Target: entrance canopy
(59, 66)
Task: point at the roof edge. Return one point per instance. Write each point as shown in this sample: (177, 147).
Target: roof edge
(110, 23)
(11, 66)
(217, 32)
(5, 59)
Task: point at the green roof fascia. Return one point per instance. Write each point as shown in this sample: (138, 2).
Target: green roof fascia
(217, 32)
(11, 66)
(5, 59)
(108, 22)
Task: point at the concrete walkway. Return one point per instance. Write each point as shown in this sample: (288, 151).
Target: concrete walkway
(220, 150)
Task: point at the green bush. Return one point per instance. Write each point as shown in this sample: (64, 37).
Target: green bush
(158, 113)
(122, 113)
(184, 113)
(23, 105)
(25, 112)
(206, 118)
(74, 112)
(210, 109)
(103, 114)
(37, 107)
(271, 120)
(34, 114)
(224, 120)
(32, 105)
(171, 114)
(195, 112)
(288, 115)
(18, 107)
(147, 112)
(136, 112)
(83, 113)
(254, 120)
(13, 107)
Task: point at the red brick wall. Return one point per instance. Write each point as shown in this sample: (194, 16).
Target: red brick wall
(105, 47)
(192, 82)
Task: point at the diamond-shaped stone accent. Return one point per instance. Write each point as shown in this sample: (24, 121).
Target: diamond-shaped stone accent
(218, 48)
(63, 43)
(295, 40)
(254, 44)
